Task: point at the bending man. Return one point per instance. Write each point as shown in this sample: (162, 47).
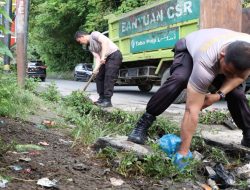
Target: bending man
(215, 56)
(108, 59)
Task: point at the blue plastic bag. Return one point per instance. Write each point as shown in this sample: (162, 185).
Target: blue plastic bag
(170, 144)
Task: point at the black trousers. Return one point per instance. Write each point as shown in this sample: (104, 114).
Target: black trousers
(180, 72)
(108, 74)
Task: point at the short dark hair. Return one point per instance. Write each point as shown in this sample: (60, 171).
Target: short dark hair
(238, 54)
(79, 34)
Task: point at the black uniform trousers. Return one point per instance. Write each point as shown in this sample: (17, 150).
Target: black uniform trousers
(180, 72)
(108, 74)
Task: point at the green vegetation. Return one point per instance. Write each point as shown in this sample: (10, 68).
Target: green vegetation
(3, 48)
(213, 117)
(93, 122)
(156, 165)
(16, 102)
(53, 23)
(51, 94)
(5, 147)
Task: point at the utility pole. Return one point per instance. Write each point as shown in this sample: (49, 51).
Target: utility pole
(21, 39)
(8, 9)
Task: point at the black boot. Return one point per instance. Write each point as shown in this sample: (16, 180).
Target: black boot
(139, 134)
(105, 103)
(100, 100)
(245, 141)
(246, 138)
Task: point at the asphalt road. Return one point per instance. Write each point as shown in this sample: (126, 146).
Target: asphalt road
(127, 98)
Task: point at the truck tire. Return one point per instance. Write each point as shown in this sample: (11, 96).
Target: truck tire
(145, 87)
(182, 97)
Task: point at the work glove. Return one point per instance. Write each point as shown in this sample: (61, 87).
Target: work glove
(180, 161)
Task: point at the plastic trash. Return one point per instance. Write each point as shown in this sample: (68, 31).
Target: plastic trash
(212, 184)
(81, 167)
(45, 182)
(116, 182)
(170, 144)
(224, 179)
(211, 173)
(28, 147)
(3, 183)
(65, 142)
(48, 123)
(25, 159)
(43, 143)
(16, 167)
(42, 127)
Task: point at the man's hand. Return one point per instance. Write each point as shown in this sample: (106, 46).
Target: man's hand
(102, 61)
(95, 72)
(210, 99)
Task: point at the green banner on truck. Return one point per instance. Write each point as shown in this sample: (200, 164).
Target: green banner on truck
(170, 12)
(156, 40)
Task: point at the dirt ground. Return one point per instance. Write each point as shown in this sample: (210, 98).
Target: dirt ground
(72, 168)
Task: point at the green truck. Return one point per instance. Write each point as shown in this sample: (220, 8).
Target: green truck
(147, 35)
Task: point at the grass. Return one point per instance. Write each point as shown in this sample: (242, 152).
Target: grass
(5, 147)
(213, 117)
(14, 101)
(92, 122)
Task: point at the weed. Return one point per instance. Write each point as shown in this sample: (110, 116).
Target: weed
(93, 122)
(198, 144)
(217, 155)
(31, 84)
(108, 152)
(51, 93)
(163, 126)
(5, 147)
(80, 102)
(14, 101)
(242, 184)
(213, 117)
(129, 165)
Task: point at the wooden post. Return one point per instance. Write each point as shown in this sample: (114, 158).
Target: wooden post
(246, 20)
(221, 14)
(21, 40)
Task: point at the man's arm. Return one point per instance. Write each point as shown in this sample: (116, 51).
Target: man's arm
(194, 103)
(228, 85)
(97, 63)
(104, 41)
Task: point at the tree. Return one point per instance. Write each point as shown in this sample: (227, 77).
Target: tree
(3, 48)
(53, 24)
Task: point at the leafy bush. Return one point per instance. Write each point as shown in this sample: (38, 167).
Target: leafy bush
(14, 101)
(31, 84)
(79, 101)
(51, 93)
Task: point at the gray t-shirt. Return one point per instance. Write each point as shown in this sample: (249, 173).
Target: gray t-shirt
(95, 44)
(205, 46)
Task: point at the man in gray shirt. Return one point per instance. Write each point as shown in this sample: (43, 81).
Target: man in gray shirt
(108, 59)
(217, 57)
